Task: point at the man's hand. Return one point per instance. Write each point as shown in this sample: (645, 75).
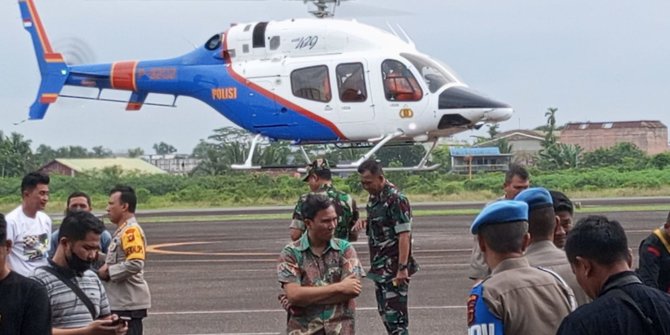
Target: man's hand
(361, 224)
(103, 272)
(106, 327)
(401, 277)
(350, 285)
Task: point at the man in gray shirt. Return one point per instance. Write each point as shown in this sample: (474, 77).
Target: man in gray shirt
(78, 300)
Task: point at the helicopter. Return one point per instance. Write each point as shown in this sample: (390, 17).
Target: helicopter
(309, 81)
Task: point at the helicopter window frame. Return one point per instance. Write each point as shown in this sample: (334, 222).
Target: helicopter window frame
(351, 88)
(432, 73)
(405, 87)
(312, 83)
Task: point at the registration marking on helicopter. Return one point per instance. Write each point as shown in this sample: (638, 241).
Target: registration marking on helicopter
(224, 93)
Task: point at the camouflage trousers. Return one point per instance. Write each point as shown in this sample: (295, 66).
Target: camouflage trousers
(392, 307)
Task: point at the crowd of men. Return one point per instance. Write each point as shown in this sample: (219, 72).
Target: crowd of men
(69, 286)
(534, 270)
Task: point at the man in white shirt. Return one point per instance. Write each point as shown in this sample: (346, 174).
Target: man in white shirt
(28, 227)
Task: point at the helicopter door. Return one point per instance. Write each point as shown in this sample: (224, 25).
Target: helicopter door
(354, 102)
(404, 97)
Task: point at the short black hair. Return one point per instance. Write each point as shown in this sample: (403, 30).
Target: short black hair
(127, 196)
(78, 194)
(76, 225)
(516, 170)
(504, 237)
(314, 203)
(3, 229)
(598, 239)
(371, 165)
(541, 222)
(31, 180)
(562, 202)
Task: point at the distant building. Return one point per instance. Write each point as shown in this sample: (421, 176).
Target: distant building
(173, 163)
(650, 136)
(525, 144)
(76, 166)
(487, 159)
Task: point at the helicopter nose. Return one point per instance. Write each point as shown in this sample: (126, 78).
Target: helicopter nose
(465, 98)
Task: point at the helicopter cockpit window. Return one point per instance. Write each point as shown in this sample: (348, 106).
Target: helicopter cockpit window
(432, 73)
(214, 42)
(351, 82)
(311, 83)
(399, 82)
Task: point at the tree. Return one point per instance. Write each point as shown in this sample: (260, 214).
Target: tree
(16, 156)
(493, 130)
(163, 148)
(101, 152)
(556, 155)
(135, 152)
(625, 155)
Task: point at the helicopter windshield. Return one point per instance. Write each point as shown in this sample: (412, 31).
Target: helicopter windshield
(432, 72)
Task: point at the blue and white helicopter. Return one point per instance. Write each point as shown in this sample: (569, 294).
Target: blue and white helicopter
(309, 81)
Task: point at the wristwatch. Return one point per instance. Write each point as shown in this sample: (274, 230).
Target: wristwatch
(402, 266)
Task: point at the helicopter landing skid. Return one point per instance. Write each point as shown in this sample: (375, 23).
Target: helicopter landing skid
(352, 167)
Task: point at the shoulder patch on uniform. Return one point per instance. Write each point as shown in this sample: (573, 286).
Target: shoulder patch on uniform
(652, 250)
(472, 303)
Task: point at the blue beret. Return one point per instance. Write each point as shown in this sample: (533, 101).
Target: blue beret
(500, 212)
(536, 197)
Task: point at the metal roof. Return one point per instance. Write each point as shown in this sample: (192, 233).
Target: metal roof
(126, 164)
(469, 151)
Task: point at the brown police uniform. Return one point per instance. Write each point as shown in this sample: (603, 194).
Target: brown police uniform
(548, 256)
(529, 301)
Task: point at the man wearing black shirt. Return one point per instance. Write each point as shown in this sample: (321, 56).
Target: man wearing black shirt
(598, 253)
(24, 305)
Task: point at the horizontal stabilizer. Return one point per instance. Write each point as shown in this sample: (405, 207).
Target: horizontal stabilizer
(136, 101)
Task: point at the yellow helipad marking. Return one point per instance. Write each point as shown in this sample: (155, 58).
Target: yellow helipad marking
(158, 249)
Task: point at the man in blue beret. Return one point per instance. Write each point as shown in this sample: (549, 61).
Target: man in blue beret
(542, 223)
(516, 298)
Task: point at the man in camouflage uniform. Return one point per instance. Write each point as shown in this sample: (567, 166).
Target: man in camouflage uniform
(388, 226)
(319, 178)
(320, 275)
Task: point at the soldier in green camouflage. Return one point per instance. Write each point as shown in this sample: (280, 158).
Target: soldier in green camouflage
(388, 227)
(319, 178)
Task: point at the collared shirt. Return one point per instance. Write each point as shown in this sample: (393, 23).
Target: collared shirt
(67, 310)
(527, 300)
(610, 314)
(345, 207)
(297, 264)
(127, 288)
(389, 214)
(546, 255)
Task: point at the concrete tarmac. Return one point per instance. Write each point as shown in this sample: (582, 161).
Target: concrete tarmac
(220, 278)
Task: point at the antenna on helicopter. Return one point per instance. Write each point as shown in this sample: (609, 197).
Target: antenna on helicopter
(324, 8)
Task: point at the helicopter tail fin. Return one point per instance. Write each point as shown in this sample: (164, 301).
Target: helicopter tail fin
(53, 70)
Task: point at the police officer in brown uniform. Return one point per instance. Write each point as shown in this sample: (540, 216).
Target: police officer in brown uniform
(123, 272)
(516, 298)
(542, 222)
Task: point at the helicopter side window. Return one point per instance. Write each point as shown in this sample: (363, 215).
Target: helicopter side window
(399, 83)
(351, 82)
(311, 83)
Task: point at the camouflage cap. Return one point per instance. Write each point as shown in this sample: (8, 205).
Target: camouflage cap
(316, 167)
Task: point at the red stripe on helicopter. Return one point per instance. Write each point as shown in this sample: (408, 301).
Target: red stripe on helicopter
(122, 75)
(46, 46)
(134, 106)
(270, 95)
(48, 98)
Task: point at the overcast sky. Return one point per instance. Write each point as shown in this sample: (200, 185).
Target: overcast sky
(594, 60)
